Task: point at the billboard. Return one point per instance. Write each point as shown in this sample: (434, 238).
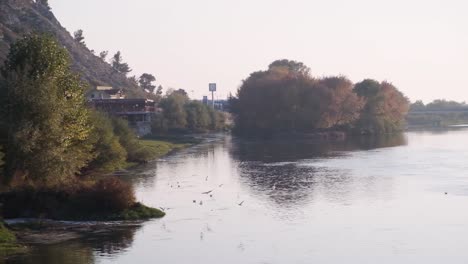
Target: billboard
(212, 87)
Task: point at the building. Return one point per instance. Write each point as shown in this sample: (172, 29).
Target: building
(105, 92)
(138, 112)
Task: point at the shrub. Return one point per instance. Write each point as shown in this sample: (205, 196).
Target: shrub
(80, 201)
(113, 194)
(144, 154)
(5, 235)
(109, 153)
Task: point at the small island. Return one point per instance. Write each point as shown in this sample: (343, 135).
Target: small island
(286, 100)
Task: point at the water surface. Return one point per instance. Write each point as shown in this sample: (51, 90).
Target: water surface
(375, 200)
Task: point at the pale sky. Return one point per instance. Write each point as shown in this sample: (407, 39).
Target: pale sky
(421, 46)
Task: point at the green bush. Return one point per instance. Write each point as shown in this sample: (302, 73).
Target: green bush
(5, 235)
(144, 154)
(136, 152)
(139, 212)
(109, 153)
(180, 115)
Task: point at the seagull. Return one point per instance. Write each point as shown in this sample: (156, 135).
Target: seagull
(194, 201)
(201, 202)
(206, 179)
(445, 193)
(221, 185)
(208, 192)
(241, 203)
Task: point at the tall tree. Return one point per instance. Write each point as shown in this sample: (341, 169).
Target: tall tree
(78, 36)
(146, 82)
(43, 104)
(103, 55)
(342, 105)
(174, 110)
(286, 98)
(159, 91)
(119, 65)
(385, 107)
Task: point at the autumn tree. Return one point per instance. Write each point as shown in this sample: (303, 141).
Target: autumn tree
(286, 98)
(118, 65)
(43, 105)
(146, 82)
(342, 105)
(385, 107)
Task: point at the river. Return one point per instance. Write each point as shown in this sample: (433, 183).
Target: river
(400, 199)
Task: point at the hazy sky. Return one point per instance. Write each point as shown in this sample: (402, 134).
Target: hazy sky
(419, 45)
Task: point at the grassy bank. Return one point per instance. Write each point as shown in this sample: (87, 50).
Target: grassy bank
(8, 243)
(163, 145)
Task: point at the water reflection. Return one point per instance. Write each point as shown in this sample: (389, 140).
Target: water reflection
(109, 242)
(280, 170)
(285, 185)
(293, 150)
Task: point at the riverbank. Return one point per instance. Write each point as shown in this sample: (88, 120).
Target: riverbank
(159, 147)
(92, 197)
(8, 242)
(86, 202)
(164, 146)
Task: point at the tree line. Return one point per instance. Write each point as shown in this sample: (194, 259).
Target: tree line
(49, 135)
(181, 115)
(438, 105)
(287, 98)
(145, 81)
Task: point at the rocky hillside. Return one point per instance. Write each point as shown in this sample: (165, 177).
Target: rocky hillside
(21, 17)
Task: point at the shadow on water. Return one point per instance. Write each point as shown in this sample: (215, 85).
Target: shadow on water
(281, 170)
(293, 150)
(85, 250)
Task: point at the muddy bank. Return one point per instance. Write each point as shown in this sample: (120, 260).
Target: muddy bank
(46, 232)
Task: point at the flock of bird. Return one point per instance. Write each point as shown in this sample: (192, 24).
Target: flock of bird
(210, 193)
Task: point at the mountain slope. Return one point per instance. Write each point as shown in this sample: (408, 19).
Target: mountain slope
(21, 17)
